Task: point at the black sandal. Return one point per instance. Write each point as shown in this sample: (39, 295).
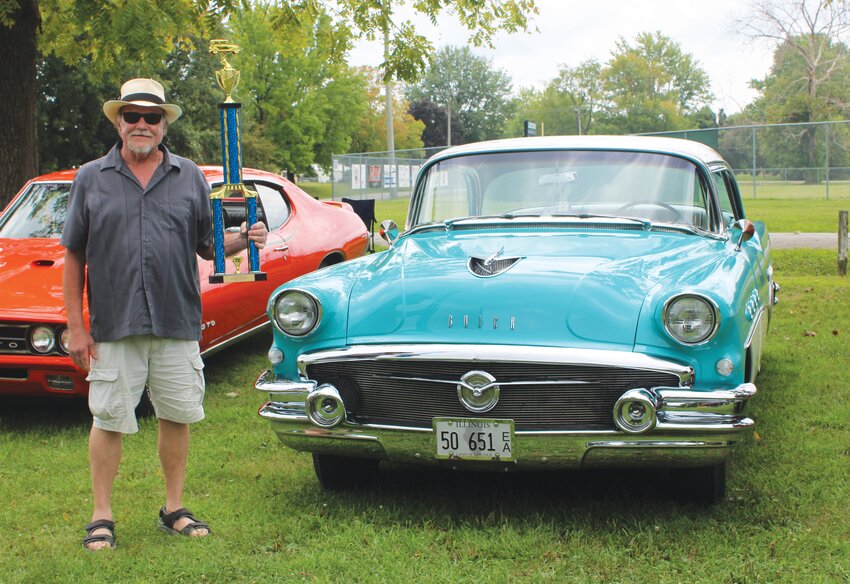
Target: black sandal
(167, 521)
(107, 537)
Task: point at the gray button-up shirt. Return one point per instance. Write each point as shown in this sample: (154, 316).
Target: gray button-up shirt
(140, 246)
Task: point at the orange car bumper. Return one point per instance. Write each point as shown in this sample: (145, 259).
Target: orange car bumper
(22, 375)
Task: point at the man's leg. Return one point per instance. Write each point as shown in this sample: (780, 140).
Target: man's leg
(173, 456)
(104, 457)
(116, 381)
(177, 391)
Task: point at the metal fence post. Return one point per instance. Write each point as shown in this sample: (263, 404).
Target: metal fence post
(826, 128)
(842, 243)
(754, 163)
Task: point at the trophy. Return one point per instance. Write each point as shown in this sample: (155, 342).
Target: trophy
(233, 187)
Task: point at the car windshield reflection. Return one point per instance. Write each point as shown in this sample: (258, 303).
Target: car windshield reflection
(40, 213)
(647, 186)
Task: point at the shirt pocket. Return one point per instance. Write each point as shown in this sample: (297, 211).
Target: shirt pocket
(180, 213)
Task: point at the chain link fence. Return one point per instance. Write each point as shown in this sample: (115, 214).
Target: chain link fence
(777, 161)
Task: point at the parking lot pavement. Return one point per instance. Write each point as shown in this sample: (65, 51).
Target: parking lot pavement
(800, 240)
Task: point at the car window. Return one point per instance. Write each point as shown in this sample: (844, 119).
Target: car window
(40, 212)
(275, 205)
(724, 196)
(657, 187)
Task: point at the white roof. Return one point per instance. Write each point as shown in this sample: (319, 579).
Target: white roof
(678, 146)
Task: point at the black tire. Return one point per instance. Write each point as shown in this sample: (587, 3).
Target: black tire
(343, 472)
(706, 485)
(145, 408)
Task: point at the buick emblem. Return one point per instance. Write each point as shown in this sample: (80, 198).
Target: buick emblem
(478, 391)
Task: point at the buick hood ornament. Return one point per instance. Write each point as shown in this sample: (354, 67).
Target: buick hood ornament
(490, 266)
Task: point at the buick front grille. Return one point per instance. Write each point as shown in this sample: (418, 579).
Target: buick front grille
(535, 396)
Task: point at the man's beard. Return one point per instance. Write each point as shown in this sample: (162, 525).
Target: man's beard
(142, 150)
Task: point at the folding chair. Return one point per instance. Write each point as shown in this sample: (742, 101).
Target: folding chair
(365, 209)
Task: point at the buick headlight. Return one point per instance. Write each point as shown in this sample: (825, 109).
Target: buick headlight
(42, 339)
(690, 319)
(296, 313)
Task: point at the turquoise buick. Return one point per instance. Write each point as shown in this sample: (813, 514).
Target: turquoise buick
(555, 302)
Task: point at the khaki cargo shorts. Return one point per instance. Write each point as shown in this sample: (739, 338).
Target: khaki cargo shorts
(171, 368)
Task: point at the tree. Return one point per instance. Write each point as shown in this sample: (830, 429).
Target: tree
(302, 102)
(810, 73)
(653, 86)
(433, 118)
(567, 105)
(480, 94)
(371, 134)
(19, 157)
(71, 126)
(124, 38)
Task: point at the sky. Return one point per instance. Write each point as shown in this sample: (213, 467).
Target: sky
(572, 31)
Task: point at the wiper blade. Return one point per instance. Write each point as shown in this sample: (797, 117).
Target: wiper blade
(645, 223)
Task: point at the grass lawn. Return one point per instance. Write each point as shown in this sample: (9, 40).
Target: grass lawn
(785, 518)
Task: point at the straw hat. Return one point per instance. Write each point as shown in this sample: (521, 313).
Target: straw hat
(143, 93)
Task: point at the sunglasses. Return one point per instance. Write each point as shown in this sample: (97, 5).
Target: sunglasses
(134, 117)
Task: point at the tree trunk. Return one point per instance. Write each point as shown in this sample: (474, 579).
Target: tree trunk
(18, 138)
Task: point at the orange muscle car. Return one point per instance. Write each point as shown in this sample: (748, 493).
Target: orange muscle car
(304, 234)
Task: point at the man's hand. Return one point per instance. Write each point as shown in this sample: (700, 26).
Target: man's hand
(257, 233)
(81, 348)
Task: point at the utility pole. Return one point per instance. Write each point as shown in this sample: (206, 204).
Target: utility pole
(578, 109)
(388, 107)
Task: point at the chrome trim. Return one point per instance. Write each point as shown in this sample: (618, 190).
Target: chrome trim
(531, 382)
(268, 383)
(213, 349)
(501, 353)
(677, 410)
(754, 327)
(655, 444)
(535, 449)
(718, 401)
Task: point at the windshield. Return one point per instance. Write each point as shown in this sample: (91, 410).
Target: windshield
(39, 213)
(655, 187)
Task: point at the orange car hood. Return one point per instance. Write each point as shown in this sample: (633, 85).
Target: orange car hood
(31, 279)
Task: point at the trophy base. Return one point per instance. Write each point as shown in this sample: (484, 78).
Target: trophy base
(249, 277)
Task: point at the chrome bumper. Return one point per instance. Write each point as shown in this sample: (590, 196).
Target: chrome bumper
(693, 428)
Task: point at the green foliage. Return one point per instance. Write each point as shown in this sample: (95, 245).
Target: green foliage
(72, 128)
(297, 91)
(371, 132)
(651, 85)
(569, 104)
(478, 93)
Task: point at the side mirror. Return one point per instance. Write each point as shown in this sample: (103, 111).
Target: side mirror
(748, 229)
(389, 231)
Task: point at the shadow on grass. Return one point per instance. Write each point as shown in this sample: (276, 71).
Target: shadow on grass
(37, 414)
(473, 494)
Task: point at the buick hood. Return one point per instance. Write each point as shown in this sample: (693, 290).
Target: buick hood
(31, 279)
(563, 288)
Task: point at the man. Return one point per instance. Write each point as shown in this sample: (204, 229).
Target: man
(136, 219)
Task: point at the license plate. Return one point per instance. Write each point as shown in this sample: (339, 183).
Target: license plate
(474, 439)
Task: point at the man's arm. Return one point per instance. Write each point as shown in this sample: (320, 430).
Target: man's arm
(236, 242)
(80, 343)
